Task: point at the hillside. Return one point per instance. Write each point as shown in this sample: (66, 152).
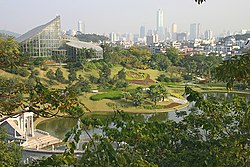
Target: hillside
(9, 33)
(91, 38)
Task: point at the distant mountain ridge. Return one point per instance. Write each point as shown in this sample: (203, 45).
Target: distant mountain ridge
(9, 33)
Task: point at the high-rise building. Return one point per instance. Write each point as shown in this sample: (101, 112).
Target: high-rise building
(151, 39)
(142, 32)
(208, 34)
(150, 32)
(130, 37)
(193, 31)
(113, 37)
(159, 19)
(160, 24)
(174, 31)
(181, 36)
(174, 28)
(81, 27)
(167, 33)
(198, 30)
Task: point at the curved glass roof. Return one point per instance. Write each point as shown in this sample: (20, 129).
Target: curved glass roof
(80, 45)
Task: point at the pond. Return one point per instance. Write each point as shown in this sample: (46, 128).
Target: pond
(58, 127)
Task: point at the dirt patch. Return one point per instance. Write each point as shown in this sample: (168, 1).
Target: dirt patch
(171, 105)
(147, 81)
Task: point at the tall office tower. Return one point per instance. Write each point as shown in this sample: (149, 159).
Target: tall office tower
(174, 28)
(167, 33)
(160, 24)
(193, 31)
(174, 31)
(130, 37)
(113, 37)
(159, 19)
(208, 34)
(150, 32)
(80, 26)
(151, 39)
(142, 32)
(198, 30)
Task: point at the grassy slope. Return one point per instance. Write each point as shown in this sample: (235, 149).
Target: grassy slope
(5, 74)
(175, 90)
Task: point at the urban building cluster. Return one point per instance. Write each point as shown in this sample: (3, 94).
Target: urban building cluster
(49, 39)
(194, 41)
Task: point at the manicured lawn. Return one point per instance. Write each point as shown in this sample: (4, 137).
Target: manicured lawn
(113, 95)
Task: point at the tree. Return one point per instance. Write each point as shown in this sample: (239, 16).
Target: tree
(104, 76)
(200, 1)
(173, 55)
(160, 62)
(59, 58)
(18, 97)
(72, 75)
(122, 74)
(50, 74)
(126, 95)
(9, 53)
(91, 37)
(82, 85)
(10, 153)
(216, 134)
(234, 69)
(137, 96)
(156, 93)
(59, 75)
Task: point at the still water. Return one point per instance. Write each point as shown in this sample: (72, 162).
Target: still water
(58, 127)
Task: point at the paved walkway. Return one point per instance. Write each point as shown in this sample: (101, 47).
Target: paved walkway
(180, 101)
(40, 141)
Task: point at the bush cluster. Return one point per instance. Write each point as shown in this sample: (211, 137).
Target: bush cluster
(114, 95)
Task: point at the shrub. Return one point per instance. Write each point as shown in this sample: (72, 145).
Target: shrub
(152, 107)
(35, 72)
(50, 74)
(45, 68)
(93, 79)
(114, 95)
(240, 86)
(161, 78)
(188, 77)
(31, 67)
(23, 72)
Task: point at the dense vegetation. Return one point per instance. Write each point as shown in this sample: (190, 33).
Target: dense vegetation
(91, 38)
(217, 134)
(10, 153)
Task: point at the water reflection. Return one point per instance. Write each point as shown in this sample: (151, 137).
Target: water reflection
(60, 126)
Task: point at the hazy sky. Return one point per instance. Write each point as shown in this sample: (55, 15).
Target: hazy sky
(107, 16)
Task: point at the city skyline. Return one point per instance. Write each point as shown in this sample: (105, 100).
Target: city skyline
(112, 16)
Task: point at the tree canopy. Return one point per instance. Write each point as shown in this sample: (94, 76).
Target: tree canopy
(200, 1)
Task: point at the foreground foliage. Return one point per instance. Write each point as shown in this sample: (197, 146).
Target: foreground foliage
(235, 69)
(10, 153)
(214, 134)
